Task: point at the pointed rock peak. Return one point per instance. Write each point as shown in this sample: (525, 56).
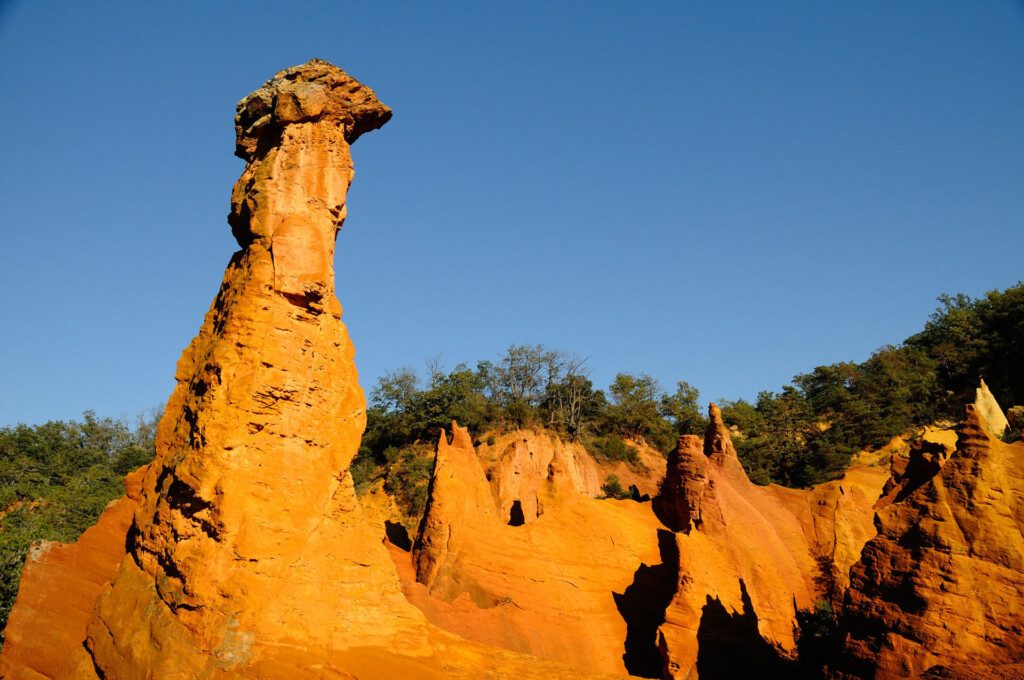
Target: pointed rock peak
(985, 403)
(314, 91)
(460, 437)
(717, 442)
(719, 449)
(973, 429)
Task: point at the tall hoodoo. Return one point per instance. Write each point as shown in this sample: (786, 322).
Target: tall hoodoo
(248, 529)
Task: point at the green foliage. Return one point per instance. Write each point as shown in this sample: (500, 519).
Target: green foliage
(683, 410)
(407, 478)
(817, 631)
(816, 638)
(56, 479)
(528, 386)
(612, 488)
(807, 432)
(971, 338)
(610, 448)
(636, 411)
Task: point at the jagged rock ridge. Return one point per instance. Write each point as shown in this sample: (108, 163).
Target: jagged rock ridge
(938, 591)
(749, 557)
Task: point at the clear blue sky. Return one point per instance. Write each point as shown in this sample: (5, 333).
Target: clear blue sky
(727, 193)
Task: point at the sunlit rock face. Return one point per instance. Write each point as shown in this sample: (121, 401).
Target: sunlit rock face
(748, 557)
(248, 530)
(940, 590)
(242, 551)
(566, 578)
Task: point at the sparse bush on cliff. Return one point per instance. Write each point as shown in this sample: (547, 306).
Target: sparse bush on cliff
(801, 435)
(612, 488)
(56, 479)
(528, 387)
(636, 411)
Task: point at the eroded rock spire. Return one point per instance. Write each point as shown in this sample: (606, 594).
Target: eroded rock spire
(247, 544)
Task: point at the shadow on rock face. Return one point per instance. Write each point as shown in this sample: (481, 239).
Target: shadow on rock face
(643, 605)
(730, 646)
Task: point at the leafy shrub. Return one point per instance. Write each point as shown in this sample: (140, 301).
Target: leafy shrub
(612, 488)
(407, 478)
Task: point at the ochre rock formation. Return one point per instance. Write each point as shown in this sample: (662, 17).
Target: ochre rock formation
(247, 552)
(242, 550)
(248, 541)
(681, 500)
(459, 496)
(939, 591)
(986, 405)
(560, 585)
(646, 475)
(519, 465)
(750, 556)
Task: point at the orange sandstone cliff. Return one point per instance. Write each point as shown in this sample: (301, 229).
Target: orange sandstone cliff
(243, 551)
(59, 587)
(529, 560)
(938, 591)
(531, 569)
(749, 557)
(247, 554)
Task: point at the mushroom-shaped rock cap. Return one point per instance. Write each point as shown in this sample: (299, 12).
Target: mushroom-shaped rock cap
(314, 91)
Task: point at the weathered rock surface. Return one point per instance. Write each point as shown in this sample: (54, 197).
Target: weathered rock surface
(646, 476)
(1015, 416)
(247, 553)
(572, 584)
(248, 540)
(938, 592)
(517, 466)
(750, 556)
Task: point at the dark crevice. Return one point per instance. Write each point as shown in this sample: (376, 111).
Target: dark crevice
(516, 518)
(95, 664)
(184, 499)
(397, 535)
(309, 300)
(635, 495)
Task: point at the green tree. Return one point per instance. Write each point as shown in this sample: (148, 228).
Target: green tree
(635, 410)
(56, 479)
(682, 409)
